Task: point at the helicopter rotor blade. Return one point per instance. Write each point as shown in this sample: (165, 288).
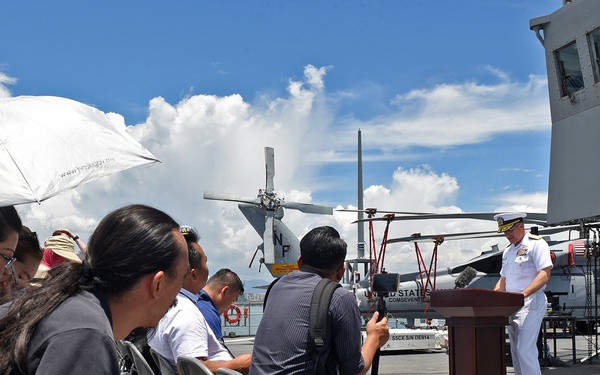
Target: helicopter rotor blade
(474, 235)
(309, 208)
(268, 244)
(270, 168)
(375, 211)
(449, 236)
(212, 195)
(532, 217)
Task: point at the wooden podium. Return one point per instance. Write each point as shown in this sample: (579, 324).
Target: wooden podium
(476, 320)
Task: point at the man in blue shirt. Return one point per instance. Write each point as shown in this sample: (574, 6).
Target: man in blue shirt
(221, 290)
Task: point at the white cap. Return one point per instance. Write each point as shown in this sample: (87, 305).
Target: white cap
(508, 219)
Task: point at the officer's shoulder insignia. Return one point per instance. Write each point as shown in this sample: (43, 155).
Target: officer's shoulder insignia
(534, 236)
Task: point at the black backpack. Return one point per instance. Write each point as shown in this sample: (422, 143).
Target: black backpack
(317, 323)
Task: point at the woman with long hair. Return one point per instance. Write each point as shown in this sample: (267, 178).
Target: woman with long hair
(132, 272)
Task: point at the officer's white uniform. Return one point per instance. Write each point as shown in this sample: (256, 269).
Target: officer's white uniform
(520, 266)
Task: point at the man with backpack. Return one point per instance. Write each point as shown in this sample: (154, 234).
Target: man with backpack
(283, 343)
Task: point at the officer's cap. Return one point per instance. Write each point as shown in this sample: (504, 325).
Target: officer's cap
(508, 219)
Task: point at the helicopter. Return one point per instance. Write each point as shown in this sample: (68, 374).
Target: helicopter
(280, 248)
(566, 290)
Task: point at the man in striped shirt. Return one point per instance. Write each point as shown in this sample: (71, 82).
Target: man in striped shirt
(281, 344)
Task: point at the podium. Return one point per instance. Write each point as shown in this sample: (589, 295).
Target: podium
(476, 319)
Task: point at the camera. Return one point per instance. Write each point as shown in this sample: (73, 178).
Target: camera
(386, 282)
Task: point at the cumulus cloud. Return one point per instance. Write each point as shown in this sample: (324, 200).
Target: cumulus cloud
(421, 190)
(208, 142)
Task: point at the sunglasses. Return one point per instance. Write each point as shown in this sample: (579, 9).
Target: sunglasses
(10, 265)
(33, 236)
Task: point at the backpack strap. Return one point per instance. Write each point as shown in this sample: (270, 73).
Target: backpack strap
(267, 293)
(317, 323)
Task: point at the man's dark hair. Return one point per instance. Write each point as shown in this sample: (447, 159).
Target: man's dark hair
(226, 277)
(194, 258)
(191, 237)
(323, 248)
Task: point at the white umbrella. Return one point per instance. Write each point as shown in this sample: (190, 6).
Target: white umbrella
(50, 144)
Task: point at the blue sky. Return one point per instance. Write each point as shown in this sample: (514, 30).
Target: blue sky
(451, 97)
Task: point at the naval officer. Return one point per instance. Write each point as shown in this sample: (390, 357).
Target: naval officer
(526, 266)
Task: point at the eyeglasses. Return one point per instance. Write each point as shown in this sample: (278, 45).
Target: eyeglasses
(33, 236)
(187, 230)
(10, 265)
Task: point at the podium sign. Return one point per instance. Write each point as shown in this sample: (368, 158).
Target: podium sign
(476, 320)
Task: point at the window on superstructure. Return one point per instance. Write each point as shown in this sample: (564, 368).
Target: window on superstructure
(594, 43)
(569, 69)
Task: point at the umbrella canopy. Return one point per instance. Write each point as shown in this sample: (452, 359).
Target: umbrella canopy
(50, 144)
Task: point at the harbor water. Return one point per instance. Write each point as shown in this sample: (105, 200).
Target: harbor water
(247, 325)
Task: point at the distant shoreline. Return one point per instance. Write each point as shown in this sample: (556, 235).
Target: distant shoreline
(249, 303)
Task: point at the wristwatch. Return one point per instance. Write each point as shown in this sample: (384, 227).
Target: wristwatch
(75, 238)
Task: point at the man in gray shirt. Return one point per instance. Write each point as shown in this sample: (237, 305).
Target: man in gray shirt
(281, 344)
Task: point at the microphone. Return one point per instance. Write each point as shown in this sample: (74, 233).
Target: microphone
(465, 277)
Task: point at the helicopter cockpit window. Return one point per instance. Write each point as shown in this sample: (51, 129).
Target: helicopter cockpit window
(569, 68)
(594, 43)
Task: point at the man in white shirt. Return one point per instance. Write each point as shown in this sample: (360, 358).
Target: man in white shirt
(526, 266)
(184, 331)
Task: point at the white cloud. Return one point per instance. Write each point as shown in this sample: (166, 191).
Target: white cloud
(457, 114)
(420, 190)
(525, 202)
(5, 80)
(208, 142)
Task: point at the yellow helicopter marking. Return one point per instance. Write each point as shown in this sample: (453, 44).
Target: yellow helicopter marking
(283, 269)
